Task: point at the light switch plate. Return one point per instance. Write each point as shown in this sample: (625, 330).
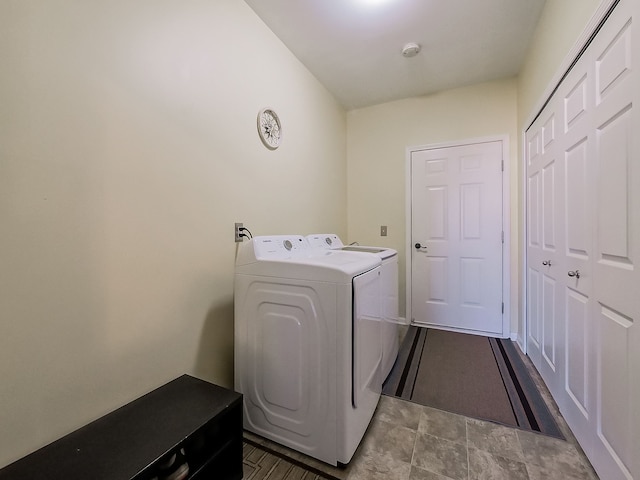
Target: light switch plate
(383, 230)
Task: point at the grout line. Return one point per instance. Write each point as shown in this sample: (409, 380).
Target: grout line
(466, 435)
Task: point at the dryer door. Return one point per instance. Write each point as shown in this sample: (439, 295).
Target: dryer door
(366, 378)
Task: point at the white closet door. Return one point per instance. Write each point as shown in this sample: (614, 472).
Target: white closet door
(534, 244)
(616, 280)
(576, 276)
(545, 246)
(583, 309)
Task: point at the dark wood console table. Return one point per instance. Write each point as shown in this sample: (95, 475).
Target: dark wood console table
(131, 442)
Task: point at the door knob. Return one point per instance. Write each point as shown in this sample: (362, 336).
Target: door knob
(547, 263)
(420, 247)
(574, 273)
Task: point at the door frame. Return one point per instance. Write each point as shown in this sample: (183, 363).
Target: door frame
(506, 223)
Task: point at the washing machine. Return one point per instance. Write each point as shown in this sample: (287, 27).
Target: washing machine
(307, 344)
(388, 291)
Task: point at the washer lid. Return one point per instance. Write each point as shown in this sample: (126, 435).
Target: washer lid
(332, 241)
(383, 252)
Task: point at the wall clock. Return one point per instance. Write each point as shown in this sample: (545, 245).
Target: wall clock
(269, 128)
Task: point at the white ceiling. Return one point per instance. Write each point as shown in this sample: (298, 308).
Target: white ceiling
(354, 46)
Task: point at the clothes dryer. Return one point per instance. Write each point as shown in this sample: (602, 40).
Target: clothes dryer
(388, 291)
(307, 344)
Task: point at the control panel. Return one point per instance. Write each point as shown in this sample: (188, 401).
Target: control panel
(279, 246)
(325, 240)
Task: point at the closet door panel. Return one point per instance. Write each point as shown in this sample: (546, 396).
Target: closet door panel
(577, 215)
(552, 238)
(613, 62)
(534, 244)
(614, 118)
(575, 103)
(613, 189)
(616, 276)
(533, 217)
(578, 381)
(534, 315)
(549, 325)
(545, 184)
(614, 425)
(549, 188)
(576, 399)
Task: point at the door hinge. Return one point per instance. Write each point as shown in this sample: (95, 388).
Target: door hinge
(502, 165)
(502, 236)
(502, 307)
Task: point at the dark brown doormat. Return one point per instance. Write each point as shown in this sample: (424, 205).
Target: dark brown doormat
(480, 377)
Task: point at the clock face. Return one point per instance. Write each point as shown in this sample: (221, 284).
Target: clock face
(269, 128)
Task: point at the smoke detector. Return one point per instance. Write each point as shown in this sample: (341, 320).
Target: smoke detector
(410, 50)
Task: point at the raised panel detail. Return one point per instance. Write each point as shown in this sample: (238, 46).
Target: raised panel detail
(438, 280)
(470, 163)
(549, 321)
(575, 103)
(549, 132)
(471, 278)
(436, 166)
(577, 201)
(438, 212)
(533, 217)
(576, 348)
(548, 207)
(614, 63)
(614, 230)
(533, 305)
(471, 205)
(614, 370)
(534, 148)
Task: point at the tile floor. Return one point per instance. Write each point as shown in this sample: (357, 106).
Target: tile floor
(411, 442)
(258, 464)
(406, 441)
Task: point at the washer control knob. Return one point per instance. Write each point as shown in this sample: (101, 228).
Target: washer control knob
(288, 245)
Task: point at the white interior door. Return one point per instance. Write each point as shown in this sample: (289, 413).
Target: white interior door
(457, 237)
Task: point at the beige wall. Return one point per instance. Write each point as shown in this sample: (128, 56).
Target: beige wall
(560, 26)
(377, 141)
(128, 149)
